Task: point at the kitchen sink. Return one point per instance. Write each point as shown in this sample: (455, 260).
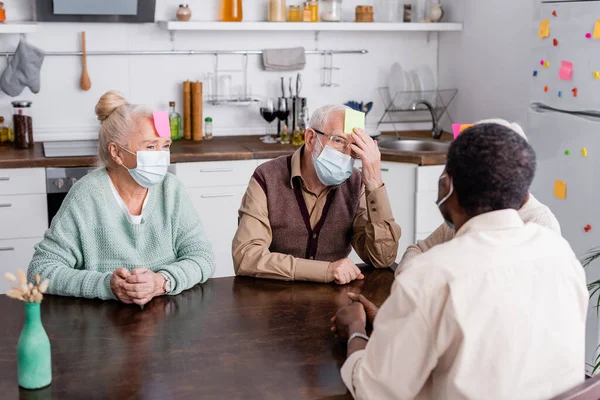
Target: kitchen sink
(424, 146)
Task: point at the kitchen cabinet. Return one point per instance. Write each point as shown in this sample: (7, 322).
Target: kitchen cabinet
(216, 190)
(23, 216)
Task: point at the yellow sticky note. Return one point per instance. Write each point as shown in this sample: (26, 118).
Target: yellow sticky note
(560, 189)
(544, 31)
(465, 126)
(596, 34)
(353, 119)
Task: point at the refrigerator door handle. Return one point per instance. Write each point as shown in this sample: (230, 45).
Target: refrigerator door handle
(586, 114)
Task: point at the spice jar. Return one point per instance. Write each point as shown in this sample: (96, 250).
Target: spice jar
(331, 10)
(295, 14)
(277, 10)
(208, 128)
(2, 12)
(6, 138)
(184, 13)
(23, 124)
(364, 14)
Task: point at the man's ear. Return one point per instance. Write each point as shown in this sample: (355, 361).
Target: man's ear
(310, 136)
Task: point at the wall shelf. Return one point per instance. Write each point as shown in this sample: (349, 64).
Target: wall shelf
(18, 27)
(311, 26)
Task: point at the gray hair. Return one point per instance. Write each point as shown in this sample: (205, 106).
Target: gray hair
(119, 120)
(321, 116)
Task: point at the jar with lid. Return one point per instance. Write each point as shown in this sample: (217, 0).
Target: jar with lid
(277, 10)
(295, 14)
(208, 128)
(231, 11)
(184, 13)
(314, 11)
(23, 124)
(6, 137)
(331, 10)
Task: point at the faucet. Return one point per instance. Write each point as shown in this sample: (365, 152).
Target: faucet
(436, 131)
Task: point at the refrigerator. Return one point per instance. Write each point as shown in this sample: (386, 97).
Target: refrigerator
(564, 127)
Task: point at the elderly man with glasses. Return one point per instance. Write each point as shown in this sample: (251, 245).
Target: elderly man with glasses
(302, 214)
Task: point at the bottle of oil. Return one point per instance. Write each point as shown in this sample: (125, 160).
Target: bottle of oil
(297, 137)
(231, 11)
(284, 135)
(6, 137)
(175, 123)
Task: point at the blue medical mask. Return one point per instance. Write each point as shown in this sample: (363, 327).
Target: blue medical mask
(443, 200)
(151, 167)
(332, 167)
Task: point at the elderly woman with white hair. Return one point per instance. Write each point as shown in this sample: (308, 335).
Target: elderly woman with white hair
(531, 211)
(302, 214)
(127, 230)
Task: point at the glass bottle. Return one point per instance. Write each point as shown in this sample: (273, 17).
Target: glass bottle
(23, 124)
(284, 135)
(306, 14)
(6, 138)
(314, 11)
(297, 137)
(231, 11)
(2, 12)
(175, 123)
(208, 128)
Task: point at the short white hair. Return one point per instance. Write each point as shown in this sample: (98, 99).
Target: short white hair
(510, 125)
(321, 116)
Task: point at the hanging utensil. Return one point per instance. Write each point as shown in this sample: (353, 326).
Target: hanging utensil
(298, 84)
(282, 88)
(86, 83)
(291, 91)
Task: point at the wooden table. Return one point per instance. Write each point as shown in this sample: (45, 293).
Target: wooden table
(231, 338)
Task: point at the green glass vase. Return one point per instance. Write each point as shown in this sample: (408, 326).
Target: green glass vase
(33, 351)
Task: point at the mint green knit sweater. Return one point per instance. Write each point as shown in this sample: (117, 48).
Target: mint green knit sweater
(90, 237)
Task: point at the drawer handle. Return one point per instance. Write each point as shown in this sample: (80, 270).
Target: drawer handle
(5, 205)
(7, 248)
(217, 170)
(4, 178)
(212, 196)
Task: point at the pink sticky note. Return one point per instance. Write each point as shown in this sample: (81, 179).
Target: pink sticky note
(566, 71)
(161, 123)
(456, 130)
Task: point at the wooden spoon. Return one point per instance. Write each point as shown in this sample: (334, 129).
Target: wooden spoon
(86, 84)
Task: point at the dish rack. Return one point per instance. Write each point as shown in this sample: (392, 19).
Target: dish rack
(439, 99)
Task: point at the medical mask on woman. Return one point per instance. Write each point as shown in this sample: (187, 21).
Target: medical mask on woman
(332, 167)
(151, 167)
(443, 200)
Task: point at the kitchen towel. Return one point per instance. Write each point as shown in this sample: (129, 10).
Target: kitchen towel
(23, 70)
(291, 59)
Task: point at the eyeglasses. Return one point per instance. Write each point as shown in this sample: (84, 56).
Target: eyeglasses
(337, 142)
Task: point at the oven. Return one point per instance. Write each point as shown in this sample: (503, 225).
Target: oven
(58, 183)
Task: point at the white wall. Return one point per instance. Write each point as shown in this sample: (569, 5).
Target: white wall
(63, 111)
(488, 62)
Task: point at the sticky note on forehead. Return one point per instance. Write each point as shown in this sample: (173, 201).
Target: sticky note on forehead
(458, 128)
(353, 119)
(161, 123)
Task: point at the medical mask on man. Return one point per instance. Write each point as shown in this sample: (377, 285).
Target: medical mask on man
(443, 200)
(151, 167)
(332, 167)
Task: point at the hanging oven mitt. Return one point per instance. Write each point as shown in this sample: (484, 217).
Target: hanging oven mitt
(23, 70)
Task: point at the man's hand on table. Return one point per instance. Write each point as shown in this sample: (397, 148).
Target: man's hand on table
(348, 320)
(370, 308)
(343, 271)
